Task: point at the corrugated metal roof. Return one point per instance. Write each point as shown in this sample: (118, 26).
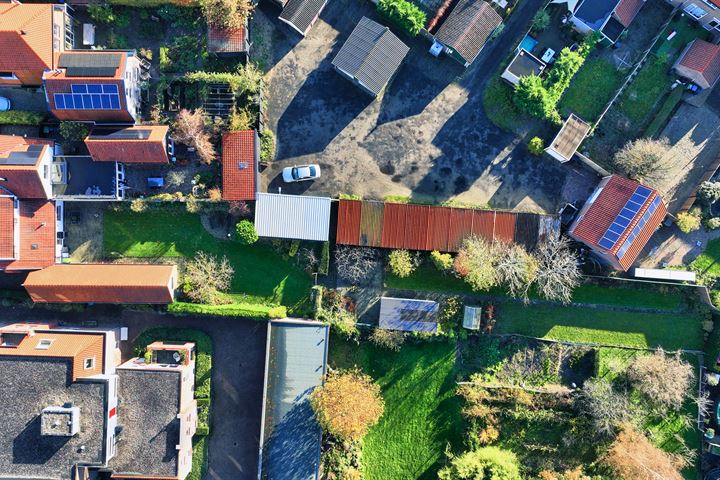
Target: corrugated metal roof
(292, 216)
(409, 315)
(348, 232)
(427, 227)
(468, 27)
(371, 223)
(301, 14)
(296, 364)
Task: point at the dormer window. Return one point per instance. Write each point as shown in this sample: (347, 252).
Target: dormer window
(89, 363)
(44, 344)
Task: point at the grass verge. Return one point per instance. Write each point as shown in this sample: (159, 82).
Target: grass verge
(245, 310)
(499, 107)
(422, 412)
(664, 112)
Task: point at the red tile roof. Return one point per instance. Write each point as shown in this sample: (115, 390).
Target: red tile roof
(605, 204)
(106, 283)
(22, 180)
(704, 58)
(226, 41)
(7, 227)
(26, 39)
(37, 236)
(151, 150)
(239, 149)
(627, 10)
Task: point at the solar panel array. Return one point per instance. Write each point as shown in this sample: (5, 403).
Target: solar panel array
(626, 215)
(638, 228)
(89, 97)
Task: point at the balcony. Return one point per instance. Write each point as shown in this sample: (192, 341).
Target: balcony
(80, 178)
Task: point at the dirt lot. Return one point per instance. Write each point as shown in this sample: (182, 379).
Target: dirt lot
(427, 138)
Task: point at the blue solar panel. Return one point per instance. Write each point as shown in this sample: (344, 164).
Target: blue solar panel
(92, 100)
(626, 215)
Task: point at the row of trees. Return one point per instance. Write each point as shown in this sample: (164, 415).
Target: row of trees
(227, 14)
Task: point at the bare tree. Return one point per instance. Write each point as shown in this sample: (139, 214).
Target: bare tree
(607, 408)
(642, 159)
(190, 130)
(355, 264)
(475, 263)
(517, 269)
(557, 273)
(206, 277)
(633, 456)
(663, 379)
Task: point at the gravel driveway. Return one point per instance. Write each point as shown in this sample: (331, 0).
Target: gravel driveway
(427, 138)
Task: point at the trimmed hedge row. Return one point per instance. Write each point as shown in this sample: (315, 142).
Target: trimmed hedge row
(247, 310)
(203, 425)
(403, 14)
(20, 117)
(154, 3)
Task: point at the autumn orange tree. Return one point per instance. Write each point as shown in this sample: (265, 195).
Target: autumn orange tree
(347, 405)
(189, 129)
(633, 456)
(227, 14)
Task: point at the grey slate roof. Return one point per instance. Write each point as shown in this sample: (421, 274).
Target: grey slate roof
(29, 384)
(302, 13)
(148, 404)
(468, 27)
(371, 55)
(296, 364)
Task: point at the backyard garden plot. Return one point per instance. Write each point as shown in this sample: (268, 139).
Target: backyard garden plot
(422, 412)
(261, 274)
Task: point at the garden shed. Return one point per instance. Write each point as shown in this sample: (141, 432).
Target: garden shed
(408, 315)
(293, 217)
(523, 65)
(472, 318)
(568, 139)
(467, 28)
(295, 363)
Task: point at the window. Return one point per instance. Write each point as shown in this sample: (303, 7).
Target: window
(7, 76)
(46, 171)
(695, 11)
(714, 24)
(89, 363)
(43, 344)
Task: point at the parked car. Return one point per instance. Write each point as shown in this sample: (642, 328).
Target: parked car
(5, 104)
(300, 173)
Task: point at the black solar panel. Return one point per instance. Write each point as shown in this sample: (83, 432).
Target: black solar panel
(120, 134)
(90, 71)
(23, 158)
(91, 60)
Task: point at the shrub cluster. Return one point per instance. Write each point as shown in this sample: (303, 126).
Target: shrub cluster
(246, 233)
(20, 117)
(403, 14)
(245, 310)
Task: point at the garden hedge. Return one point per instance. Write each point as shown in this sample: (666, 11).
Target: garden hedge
(403, 14)
(20, 117)
(246, 310)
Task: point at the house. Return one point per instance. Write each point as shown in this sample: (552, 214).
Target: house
(158, 414)
(71, 410)
(523, 65)
(618, 220)
(700, 63)
(143, 144)
(229, 42)
(295, 217)
(408, 315)
(429, 227)
(705, 12)
(609, 18)
(240, 158)
(301, 15)
(25, 166)
(32, 37)
(470, 24)
(95, 86)
(59, 400)
(103, 283)
(568, 139)
(295, 364)
(370, 56)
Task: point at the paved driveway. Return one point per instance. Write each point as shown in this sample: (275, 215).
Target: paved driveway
(237, 383)
(428, 137)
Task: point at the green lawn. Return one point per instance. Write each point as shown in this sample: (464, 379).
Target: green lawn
(260, 273)
(499, 107)
(609, 327)
(591, 89)
(422, 412)
(649, 87)
(708, 262)
(427, 278)
(685, 30)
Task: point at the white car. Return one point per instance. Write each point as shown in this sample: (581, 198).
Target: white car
(300, 173)
(4, 104)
